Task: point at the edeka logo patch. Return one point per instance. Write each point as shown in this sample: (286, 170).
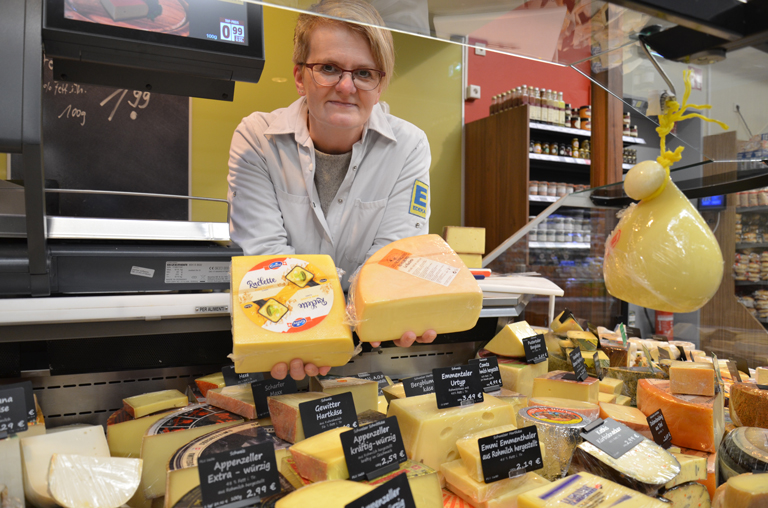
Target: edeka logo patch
(419, 198)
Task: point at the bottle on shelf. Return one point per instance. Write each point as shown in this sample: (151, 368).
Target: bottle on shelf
(524, 101)
(492, 108)
(567, 115)
(554, 113)
(560, 109)
(535, 106)
(545, 105)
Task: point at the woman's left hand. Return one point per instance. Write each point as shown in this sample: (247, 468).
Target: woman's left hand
(297, 369)
(409, 338)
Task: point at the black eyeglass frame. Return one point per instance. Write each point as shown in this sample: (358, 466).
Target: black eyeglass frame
(351, 74)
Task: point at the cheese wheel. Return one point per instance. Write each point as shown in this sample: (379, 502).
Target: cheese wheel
(744, 449)
(748, 405)
(688, 495)
(588, 410)
(76, 481)
(746, 491)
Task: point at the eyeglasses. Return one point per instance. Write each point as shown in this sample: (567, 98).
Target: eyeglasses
(326, 74)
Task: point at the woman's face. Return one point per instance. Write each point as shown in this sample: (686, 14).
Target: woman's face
(342, 106)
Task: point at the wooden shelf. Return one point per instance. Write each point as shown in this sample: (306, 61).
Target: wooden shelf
(752, 209)
(535, 126)
(566, 160)
(749, 283)
(762, 245)
(630, 140)
(558, 245)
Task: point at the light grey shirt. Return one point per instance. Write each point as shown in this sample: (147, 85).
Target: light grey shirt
(330, 172)
(274, 202)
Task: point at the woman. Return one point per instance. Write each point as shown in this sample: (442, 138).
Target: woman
(332, 173)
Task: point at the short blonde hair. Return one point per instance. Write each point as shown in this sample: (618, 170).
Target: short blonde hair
(379, 39)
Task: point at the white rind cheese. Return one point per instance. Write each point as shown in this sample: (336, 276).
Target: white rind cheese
(79, 481)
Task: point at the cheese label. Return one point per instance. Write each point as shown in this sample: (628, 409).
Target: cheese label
(239, 476)
(379, 377)
(419, 385)
(29, 398)
(13, 411)
(579, 367)
(535, 349)
(612, 437)
(270, 388)
(598, 366)
(459, 385)
(683, 355)
(554, 415)
(490, 375)
(328, 413)
(566, 315)
(659, 429)
(423, 268)
(237, 436)
(286, 295)
(396, 493)
(373, 450)
(190, 417)
(232, 378)
(734, 372)
(623, 330)
(510, 454)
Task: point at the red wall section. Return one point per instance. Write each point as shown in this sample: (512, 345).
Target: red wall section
(497, 73)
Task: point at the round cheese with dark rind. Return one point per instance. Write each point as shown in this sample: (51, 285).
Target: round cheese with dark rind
(191, 417)
(745, 449)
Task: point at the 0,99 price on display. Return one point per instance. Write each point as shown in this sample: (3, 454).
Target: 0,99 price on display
(232, 30)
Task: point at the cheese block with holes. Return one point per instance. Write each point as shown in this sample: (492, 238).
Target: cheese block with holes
(414, 284)
(500, 494)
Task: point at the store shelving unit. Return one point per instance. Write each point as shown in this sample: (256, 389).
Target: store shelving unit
(558, 245)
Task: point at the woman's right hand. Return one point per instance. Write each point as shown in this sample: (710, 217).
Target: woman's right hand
(297, 369)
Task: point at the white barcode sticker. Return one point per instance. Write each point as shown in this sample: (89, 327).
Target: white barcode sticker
(142, 272)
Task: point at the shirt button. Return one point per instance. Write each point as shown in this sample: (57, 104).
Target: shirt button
(341, 200)
(313, 205)
(354, 168)
(418, 225)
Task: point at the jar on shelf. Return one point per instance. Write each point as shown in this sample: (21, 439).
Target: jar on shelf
(567, 122)
(560, 189)
(575, 120)
(586, 124)
(559, 223)
(762, 197)
(533, 235)
(561, 150)
(537, 147)
(753, 200)
(569, 188)
(531, 149)
(633, 131)
(559, 236)
(550, 235)
(545, 148)
(585, 113)
(743, 199)
(627, 131)
(533, 188)
(553, 149)
(552, 189)
(543, 188)
(627, 120)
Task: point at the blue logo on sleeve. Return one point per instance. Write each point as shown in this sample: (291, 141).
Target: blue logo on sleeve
(419, 199)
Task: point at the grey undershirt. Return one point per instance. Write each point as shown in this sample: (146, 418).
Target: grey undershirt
(330, 171)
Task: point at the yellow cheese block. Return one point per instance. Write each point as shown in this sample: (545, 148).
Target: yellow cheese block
(586, 490)
(76, 481)
(586, 341)
(124, 438)
(692, 469)
(321, 456)
(415, 284)
(10, 470)
(423, 481)
(509, 341)
(236, 399)
(396, 391)
(553, 384)
(761, 375)
(364, 392)
(430, 434)
(284, 411)
(746, 491)
(690, 378)
(148, 403)
(286, 307)
(465, 240)
(564, 323)
(623, 400)
(606, 397)
(518, 376)
(469, 450)
(382, 404)
(514, 399)
(471, 260)
(498, 494)
(611, 385)
(629, 416)
(205, 383)
(327, 494)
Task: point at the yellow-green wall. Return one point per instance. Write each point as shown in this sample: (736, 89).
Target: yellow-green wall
(426, 90)
(3, 166)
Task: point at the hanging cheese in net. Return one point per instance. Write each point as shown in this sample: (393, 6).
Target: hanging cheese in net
(662, 254)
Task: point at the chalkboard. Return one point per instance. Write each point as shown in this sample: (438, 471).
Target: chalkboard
(103, 138)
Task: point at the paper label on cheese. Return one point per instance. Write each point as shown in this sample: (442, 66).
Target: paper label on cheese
(286, 295)
(423, 268)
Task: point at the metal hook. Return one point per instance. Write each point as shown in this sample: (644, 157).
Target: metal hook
(666, 95)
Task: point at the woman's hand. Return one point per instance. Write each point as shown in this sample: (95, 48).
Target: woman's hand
(409, 338)
(298, 369)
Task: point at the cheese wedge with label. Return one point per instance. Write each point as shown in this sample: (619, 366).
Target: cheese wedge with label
(236, 399)
(76, 481)
(469, 450)
(746, 491)
(689, 378)
(692, 469)
(588, 410)
(286, 307)
(688, 495)
(328, 494)
(284, 411)
(586, 490)
(124, 438)
(321, 456)
(748, 405)
(554, 384)
(423, 481)
(364, 392)
(509, 341)
(519, 376)
(564, 323)
(414, 284)
(611, 385)
(430, 434)
(586, 341)
(629, 416)
(465, 240)
(147, 403)
(205, 383)
(493, 495)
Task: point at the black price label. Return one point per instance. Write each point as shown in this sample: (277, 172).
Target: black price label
(734, 372)
(598, 367)
(633, 331)
(270, 388)
(29, 398)
(763, 387)
(664, 354)
(379, 377)
(683, 355)
(610, 436)
(592, 329)
(328, 413)
(458, 386)
(535, 349)
(490, 375)
(659, 429)
(373, 450)
(233, 378)
(396, 493)
(510, 454)
(419, 385)
(13, 410)
(579, 367)
(238, 478)
(566, 314)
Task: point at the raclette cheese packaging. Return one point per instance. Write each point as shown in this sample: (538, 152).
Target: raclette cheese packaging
(286, 307)
(414, 284)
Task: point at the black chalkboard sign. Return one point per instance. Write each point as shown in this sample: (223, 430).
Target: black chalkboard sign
(103, 138)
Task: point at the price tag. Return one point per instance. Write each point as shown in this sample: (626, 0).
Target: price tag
(623, 331)
(664, 354)
(374, 449)
(633, 331)
(716, 365)
(238, 478)
(763, 387)
(13, 410)
(379, 377)
(659, 429)
(592, 329)
(458, 386)
(648, 358)
(29, 398)
(579, 368)
(610, 436)
(233, 378)
(742, 366)
(510, 454)
(490, 376)
(328, 413)
(683, 355)
(734, 372)
(535, 349)
(419, 385)
(396, 493)
(598, 367)
(270, 388)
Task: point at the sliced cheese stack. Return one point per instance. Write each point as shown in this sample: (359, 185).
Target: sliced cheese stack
(584, 489)
(743, 450)
(688, 495)
(746, 491)
(284, 411)
(555, 384)
(693, 468)
(646, 468)
(423, 481)
(694, 421)
(364, 392)
(414, 284)
(430, 434)
(285, 308)
(585, 341)
(559, 433)
(328, 494)
(321, 456)
(564, 323)
(183, 476)
(500, 494)
(469, 244)
(205, 383)
(236, 399)
(509, 341)
(76, 481)
(629, 416)
(147, 403)
(690, 378)
(630, 376)
(588, 410)
(748, 405)
(125, 437)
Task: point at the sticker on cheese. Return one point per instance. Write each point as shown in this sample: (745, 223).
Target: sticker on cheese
(285, 308)
(414, 284)
(328, 494)
(748, 405)
(498, 494)
(559, 434)
(688, 495)
(588, 410)
(746, 491)
(75, 481)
